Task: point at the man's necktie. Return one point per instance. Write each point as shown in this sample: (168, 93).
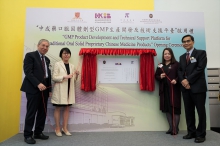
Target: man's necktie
(187, 57)
(43, 65)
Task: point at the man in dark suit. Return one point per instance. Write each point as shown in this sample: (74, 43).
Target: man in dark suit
(191, 74)
(36, 82)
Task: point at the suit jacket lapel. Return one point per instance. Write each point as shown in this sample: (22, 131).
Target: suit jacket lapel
(63, 66)
(39, 59)
(71, 71)
(192, 55)
(47, 62)
(183, 61)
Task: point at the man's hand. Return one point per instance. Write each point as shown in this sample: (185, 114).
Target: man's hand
(187, 86)
(184, 83)
(50, 94)
(41, 87)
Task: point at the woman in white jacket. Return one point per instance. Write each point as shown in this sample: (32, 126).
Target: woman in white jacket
(63, 94)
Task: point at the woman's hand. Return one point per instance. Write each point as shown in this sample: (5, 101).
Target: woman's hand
(68, 76)
(162, 75)
(77, 72)
(173, 82)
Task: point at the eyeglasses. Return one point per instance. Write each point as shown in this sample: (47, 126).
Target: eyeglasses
(187, 41)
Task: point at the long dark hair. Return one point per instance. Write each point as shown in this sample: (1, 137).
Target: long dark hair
(173, 59)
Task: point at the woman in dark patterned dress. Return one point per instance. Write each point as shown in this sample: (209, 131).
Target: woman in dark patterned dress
(169, 90)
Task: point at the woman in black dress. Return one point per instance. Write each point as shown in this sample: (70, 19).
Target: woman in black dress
(169, 90)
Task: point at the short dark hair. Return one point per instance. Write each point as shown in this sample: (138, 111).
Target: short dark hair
(67, 50)
(192, 38)
(173, 59)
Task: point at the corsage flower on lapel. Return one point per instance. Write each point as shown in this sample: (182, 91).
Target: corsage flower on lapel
(160, 65)
(169, 67)
(192, 58)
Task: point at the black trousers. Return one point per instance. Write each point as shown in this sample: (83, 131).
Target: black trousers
(36, 109)
(192, 101)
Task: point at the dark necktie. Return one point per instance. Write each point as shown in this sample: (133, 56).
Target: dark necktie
(43, 65)
(187, 57)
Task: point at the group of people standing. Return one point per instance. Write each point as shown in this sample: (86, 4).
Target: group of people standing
(37, 86)
(187, 76)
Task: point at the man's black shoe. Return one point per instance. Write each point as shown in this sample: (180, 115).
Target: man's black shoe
(41, 136)
(189, 136)
(29, 140)
(199, 139)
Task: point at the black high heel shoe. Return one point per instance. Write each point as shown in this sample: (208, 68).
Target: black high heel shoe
(169, 132)
(174, 133)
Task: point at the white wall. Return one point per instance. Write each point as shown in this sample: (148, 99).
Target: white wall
(211, 9)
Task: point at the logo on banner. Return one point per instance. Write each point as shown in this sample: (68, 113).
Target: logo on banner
(127, 19)
(150, 20)
(77, 15)
(127, 15)
(102, 18)
(77, 18)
